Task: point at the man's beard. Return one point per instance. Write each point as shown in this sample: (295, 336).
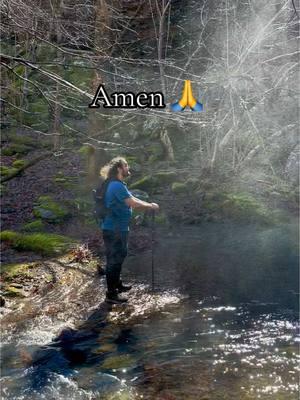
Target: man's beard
(125, 174)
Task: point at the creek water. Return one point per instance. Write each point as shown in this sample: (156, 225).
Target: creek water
(225, 328)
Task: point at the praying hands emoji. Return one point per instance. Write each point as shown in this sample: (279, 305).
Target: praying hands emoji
(187, 99)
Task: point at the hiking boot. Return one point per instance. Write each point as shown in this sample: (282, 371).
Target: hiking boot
(113, 298)
(122, 288)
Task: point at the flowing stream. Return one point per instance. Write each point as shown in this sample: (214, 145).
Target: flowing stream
(222, 324)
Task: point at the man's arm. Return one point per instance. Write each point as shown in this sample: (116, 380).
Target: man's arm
(137, 203)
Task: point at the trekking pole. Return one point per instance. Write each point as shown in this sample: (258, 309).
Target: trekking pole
(152, 246)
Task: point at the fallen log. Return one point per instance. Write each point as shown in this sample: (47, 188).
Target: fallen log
(28, 164)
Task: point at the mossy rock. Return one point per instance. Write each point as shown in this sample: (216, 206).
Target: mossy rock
(10, 271)
(16, 149)
(6, 171)
(34, 226)
(49, 210)
(19, 163)
(42, 243)
(179, 187)
(243, 207)
(12, 291)
(238, 207)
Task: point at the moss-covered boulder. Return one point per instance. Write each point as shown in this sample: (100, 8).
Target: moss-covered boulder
(51, 211)
(11, 271)
(240, 207)
(243, 207)
(42, 243)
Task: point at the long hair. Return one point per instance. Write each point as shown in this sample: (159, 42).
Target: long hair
(110, 170)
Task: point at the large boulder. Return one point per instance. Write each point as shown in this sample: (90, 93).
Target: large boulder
(49, 210)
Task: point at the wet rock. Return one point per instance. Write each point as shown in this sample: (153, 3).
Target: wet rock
(2, 301)
(116, 362)
(49, 210)
(16, 285)
(14, 292)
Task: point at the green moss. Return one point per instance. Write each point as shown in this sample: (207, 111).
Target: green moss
(243, 207)
(84, 150)
(11, 291)
(60, 180)
(6, 171)
(34, 226)
(10, 271)
(50, 210)
(238, 207)
(19, 163)
(43, 243)
(179, 187)
(15, 148)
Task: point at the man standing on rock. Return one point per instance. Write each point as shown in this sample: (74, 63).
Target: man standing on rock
(119, 202)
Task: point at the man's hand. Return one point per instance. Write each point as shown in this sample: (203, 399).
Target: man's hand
(137, 203)
(155, 207)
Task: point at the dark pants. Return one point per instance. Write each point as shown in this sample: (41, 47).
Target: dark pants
(116, 244)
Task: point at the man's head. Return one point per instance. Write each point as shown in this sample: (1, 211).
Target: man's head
(117, 168)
